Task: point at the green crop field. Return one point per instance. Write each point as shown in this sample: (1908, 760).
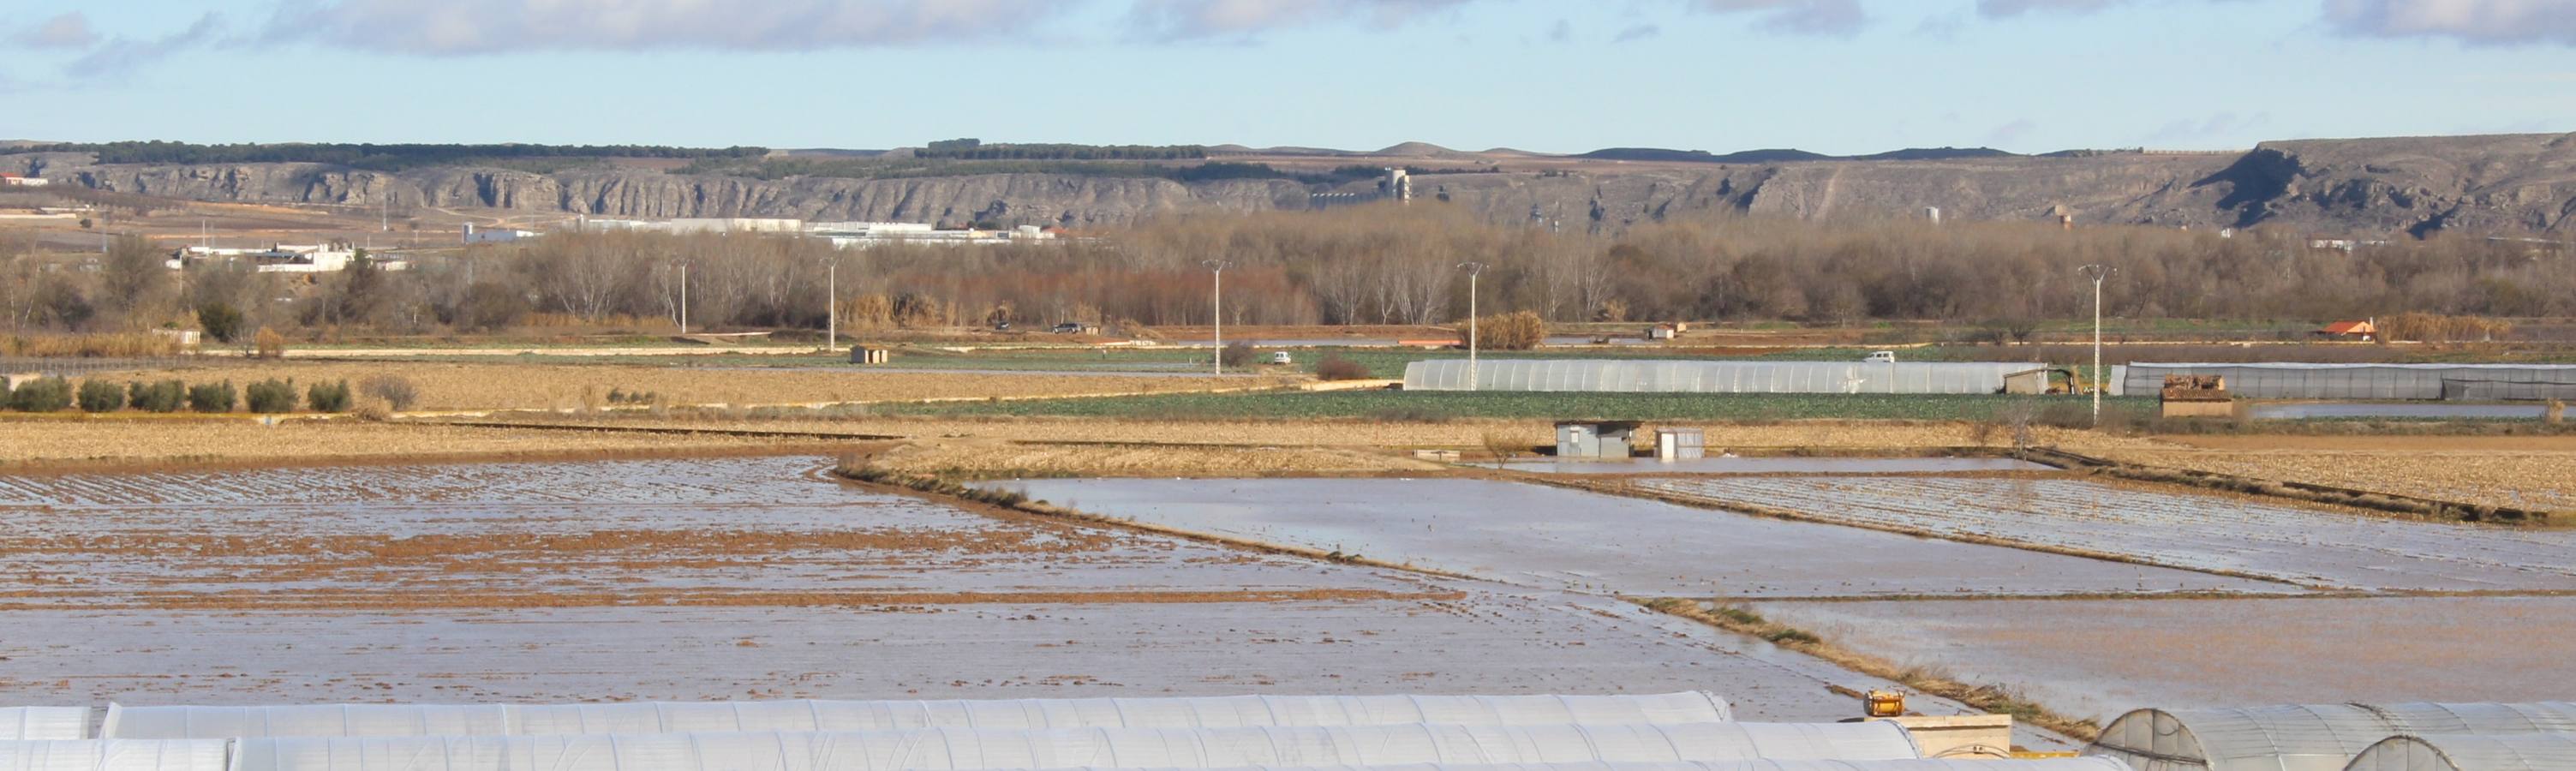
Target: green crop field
(1399, 405)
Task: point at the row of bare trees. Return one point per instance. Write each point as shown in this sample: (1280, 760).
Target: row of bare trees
(1362, 265)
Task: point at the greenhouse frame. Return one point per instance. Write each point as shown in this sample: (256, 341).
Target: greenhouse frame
(2421, 382)
(2470, 752)
(957, 749)
(2316, 737)
(188, 722)
(1725, 377)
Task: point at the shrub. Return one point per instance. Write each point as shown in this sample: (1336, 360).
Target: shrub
(270, 397)
(1236, 354)
(328, 397)
(1334, 367)
(396, 390)
(101, 396)
(1519, 331)
(211, 397)
(51, 394)
(164, 396)
(220, 320)
(269, 344)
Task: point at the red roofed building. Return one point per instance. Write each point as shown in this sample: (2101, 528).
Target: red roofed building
(2364, 331)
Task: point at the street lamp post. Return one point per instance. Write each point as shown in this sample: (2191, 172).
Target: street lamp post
(1217, 269)
(1474, 270)
(2098, 273)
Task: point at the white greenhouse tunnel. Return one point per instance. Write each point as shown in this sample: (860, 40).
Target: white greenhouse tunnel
(2311, 737)
(21, 723)
(185, 722)
(103, 755)
(959, 749)
(2470, 752)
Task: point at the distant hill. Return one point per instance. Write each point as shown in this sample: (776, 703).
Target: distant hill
(1936, 154)
(2519, 185)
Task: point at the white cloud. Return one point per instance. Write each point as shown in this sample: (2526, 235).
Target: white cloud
(2003, 8)
(1818, 17)
(70, 30)
(121, 55)
(503, 26)
(2481, 22)
(1174, 19)
(1639, 32)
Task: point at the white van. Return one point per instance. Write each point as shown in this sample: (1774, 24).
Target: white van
(1881, 357)
(1281, 357)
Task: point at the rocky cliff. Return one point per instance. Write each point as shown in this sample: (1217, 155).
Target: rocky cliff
(2514, 185)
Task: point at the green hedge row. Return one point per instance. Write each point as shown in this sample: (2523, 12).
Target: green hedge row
(267, 397)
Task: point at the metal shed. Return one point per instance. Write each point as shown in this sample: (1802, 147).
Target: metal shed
(1713, 377)
(1594, 440)
(2470, 752)
(2284, 380)
(2315, 737)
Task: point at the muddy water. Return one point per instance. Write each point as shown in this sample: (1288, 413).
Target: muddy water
(753, 578)
(2105, 657)
(1778, 466)
(1563, 539)
(2312, 546)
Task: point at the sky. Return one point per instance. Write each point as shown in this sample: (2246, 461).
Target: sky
(1835, 76)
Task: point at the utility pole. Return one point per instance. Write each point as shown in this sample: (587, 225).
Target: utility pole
(684, 299)
(2098, 273)
(1217, 268)
(1474, 269)
(832, 305)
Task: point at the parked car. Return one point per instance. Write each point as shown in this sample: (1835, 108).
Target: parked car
(1881, 357)
(1068, 328)
(1282, 357)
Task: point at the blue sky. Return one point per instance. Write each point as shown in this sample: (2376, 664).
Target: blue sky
(1840, 76)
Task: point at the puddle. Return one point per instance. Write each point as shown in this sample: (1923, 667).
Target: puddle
(1565, 539)
(2291, 543)
(1777, 465)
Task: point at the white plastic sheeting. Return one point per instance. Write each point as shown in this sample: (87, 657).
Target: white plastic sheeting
(2317, 737)
(956, 749)
(647, 718)
(109, 755)
(48, 723)
(1713, 377)
(2470, 752)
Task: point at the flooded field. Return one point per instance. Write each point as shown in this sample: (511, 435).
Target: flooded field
(2311, 546)
(752, 578)
(1564, 539)
(2103, 657)
(1778, 466)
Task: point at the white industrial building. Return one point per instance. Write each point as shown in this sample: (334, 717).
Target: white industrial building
(287, 258)
(502, 236)
(845, 235)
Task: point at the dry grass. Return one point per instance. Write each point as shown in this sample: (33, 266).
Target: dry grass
(986, 458)
(1836, 436)
(2544, 481)
(107, 443)
(451, 387)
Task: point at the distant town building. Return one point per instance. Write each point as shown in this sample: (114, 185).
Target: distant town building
(846, 235)
(503, 236)
(287, 258)
(17, 180)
